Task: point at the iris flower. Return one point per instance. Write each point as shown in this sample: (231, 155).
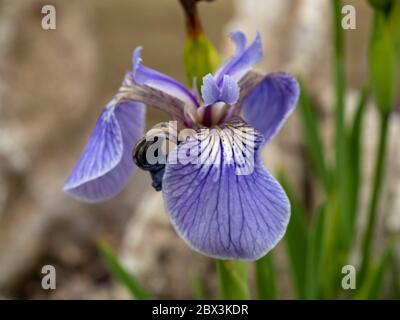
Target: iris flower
(216, 210)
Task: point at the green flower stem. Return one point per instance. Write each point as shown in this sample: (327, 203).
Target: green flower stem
(342, 163)
(122, 275)
(376, 191)
(266, 278)
(200, 56)
(233, 280)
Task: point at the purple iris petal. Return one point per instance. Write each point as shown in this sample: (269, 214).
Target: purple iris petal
(157, 80)
(211, 93)
(270, 102)
(229, 91)
(218, 210)
(243, 59)
(106, 162)
(209, 90)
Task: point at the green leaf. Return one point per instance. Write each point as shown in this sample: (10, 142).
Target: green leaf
(119, 272)
(198, 288)
(382, 64)
(296, 239)
(354, 154)
(313, 257)
(334, 253)
(342, 160)
(266, 278)
(394, 25)
(312, 135)
(200, 58)
(395, 277)
(383, 5)
(376, 191)
(233, 280)
(372, 286)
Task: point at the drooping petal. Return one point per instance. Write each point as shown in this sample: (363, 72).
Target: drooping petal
(106, 165)
(270, 102)
(157, 80)
(243, 60)
(225, 205)
(161, 100)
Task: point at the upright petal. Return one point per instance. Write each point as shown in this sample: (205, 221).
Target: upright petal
(229, 91)
(211, 93)
(209, 90)
(270, 102)
(243, 60)
(226, 205)
(106, 165)
(157, 80)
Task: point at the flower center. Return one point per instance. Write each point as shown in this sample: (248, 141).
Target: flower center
(210, 115)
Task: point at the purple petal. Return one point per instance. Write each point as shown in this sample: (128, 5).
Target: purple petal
(228, 93)
(106, 162)
(209, 90)
(221, 211)
(161, 100)
(243, 59)
(270, 102)
(157, 80)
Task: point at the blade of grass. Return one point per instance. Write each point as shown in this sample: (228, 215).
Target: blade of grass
(374, 200)
(372, 287)
(337, 217)
(335, 250)
(233, 280)
(313, 258)
(312, 136)
(119, 272)
(395, 276)
(354, 154)
(342, 160)
(296, 239)
(266, 278)
(198, 288)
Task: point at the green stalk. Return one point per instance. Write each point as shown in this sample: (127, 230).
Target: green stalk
(354, 149)
(336, 228)
(122, 275)
(342, 168)
(376, 191)
(233, 280)
(312, 134)
(266, 278)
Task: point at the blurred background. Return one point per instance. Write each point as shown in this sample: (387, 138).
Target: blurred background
(53, 85)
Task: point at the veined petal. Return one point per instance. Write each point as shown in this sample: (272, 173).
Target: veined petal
(270, 102)
(157, 80)
(106, 165)
(229, 91)
(209, 90)
(161, 100)
(243, 60)
(211, 93)
(247, 83)
(226, 205)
